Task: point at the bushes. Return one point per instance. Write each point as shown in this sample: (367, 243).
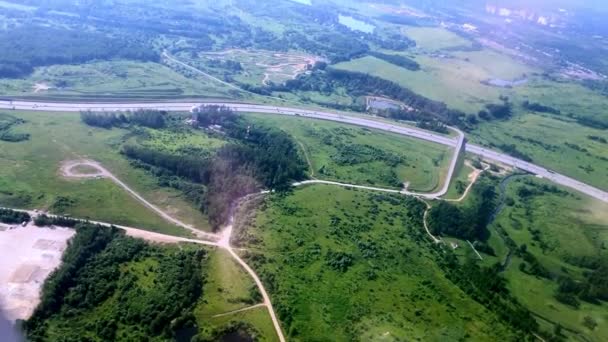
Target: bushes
(9, 216)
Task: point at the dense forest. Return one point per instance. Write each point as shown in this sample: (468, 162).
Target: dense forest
(100, 268)
(467, 222)
(257, 157)
(25, 48)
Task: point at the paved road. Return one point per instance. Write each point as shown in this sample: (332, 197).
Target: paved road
(323, 115)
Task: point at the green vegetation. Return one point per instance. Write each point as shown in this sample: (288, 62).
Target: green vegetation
(13, 217)
(6, 133)
(551, 244)
(255, 158)
(366, 157)
(31, 179)
(357, 265)
(436, 38)
(113, 287)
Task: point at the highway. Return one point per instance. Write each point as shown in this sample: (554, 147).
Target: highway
(323, 115)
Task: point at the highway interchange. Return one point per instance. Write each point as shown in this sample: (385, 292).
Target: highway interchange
(323, 115)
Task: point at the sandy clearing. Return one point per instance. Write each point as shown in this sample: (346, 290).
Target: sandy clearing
(27, 256)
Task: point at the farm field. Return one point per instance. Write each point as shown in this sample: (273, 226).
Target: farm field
(431, 39)
(365, 157)
(558, 228)
(30, 176)
(111, 79)
(356, 265)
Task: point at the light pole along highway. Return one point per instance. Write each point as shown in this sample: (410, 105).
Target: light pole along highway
(323, 115)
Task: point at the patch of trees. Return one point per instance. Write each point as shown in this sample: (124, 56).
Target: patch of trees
(487, 286)
(143, 117)
(512, 150)
(593, 288)
(469, 222)
(590, 122)
(95, 271)
(598, 139)
(44, 220)
(339, 261)
(397, 60)
(537, 107)
(229, 65)
(29, 46)
(6, 134)
(500, 111)
(359, 84)
(258, 157)
(9, 216)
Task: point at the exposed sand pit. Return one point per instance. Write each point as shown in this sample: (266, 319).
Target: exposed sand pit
(27, 256)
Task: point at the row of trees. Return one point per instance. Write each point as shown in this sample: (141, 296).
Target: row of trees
(398, 60)
(142, 117)
(9, 216)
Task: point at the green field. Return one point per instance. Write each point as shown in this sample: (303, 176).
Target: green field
(229, 288)
(545, 139)
(365, 157)
(435, 38)
(112, 79)
(350, 265)
(30, 176)
(454, 80)
(568, 226)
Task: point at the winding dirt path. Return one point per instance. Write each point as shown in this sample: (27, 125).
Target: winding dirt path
(68, 171)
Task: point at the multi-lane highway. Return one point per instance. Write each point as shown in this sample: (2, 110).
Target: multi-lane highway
(323, 115)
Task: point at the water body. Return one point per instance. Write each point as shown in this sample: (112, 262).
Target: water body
(236, 336)
(355, 24)
(498, 82)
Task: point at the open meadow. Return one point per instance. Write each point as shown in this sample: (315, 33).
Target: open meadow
(357, 265)
(360, 156)
(30, 176)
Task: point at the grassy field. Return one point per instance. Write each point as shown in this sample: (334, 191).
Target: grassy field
(460, 180)
(30, 175)
(454, 80)
(229, 288)
(365, 157)
(567, 225)
(435, 38)
(113, 79)
(349, 265)
(551, 143)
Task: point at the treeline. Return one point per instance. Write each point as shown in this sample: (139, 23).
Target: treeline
(501, 111)
(9, 216)
(397, 60)
(95, 271)
(359, 84)
(142, 117)
(259, 157)
(29, 46)
(593, 288)
(537, 107)
(465, 222)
